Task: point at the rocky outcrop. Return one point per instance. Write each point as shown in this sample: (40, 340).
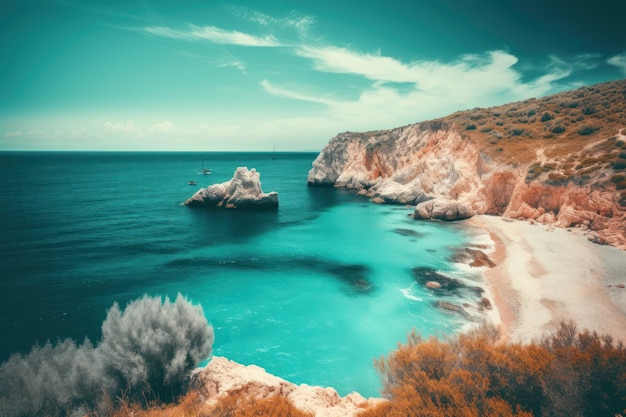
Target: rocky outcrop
(242, 191)
(446, 176)
(222, 376)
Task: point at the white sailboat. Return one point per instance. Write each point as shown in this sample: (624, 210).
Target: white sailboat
(205, 171)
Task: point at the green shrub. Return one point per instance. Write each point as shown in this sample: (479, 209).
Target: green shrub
(546, 117)
(557, 129)
(587, 130)
(470, 127)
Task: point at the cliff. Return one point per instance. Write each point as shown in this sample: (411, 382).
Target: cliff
(242, 191)
(559, 160)
(222, 376)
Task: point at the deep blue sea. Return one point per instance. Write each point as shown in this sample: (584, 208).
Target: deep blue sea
(312, 292)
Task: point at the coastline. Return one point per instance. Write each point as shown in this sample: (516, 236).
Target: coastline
(545, 275)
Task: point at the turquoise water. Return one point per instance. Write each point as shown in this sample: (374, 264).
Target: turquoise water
(312, 292)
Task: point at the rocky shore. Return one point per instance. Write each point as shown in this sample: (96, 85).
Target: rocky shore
(222, 376)
(444, 174)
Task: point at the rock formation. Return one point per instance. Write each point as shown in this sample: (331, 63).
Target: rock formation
(450, 171)
(242, 191)
(222, 376)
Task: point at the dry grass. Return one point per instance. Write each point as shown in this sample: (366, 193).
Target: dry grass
(235, 404)
(573, 128)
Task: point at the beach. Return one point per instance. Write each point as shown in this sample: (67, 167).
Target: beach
(545, 275)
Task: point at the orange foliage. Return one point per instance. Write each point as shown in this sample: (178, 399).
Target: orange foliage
(568, 373)
(238, 404)
(235, 404)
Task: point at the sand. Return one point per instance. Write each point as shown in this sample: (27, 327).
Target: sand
(546, 275)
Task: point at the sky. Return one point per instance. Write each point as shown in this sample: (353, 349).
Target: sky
(253, 75)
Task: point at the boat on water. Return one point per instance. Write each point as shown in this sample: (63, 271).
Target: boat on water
(192, 183)
(205, 171)
(274, 156)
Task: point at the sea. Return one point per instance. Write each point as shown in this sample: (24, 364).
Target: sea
(313, 292)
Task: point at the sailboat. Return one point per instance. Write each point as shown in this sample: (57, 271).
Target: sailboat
(274, 156)
(205, 171)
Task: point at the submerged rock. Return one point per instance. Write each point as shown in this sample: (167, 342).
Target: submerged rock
(242, 191)
(442, 283)
(354, 275)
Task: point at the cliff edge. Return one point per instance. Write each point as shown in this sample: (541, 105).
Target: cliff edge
(222, 376)
(560, 160)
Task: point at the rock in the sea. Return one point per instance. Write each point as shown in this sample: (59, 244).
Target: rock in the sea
(443, 209)
(433, 284)
(455, 308)
(485, 303)
(222, 376)
(242, 191)
(480, 258)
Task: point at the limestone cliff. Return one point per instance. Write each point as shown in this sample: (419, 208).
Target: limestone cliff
(451, 170)
(222, 376)
(242, 191)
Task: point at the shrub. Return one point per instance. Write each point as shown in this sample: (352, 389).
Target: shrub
(470, 126)
(155, 343)
(149, 346)
(557, 129)
(566, 373)
(619, 165)
(588, 110)
(546, 117)
(586, 130)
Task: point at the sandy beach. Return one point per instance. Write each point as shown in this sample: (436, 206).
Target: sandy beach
(545, 275)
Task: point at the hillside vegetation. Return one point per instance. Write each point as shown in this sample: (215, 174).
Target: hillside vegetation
(577, 133)
(568, 373)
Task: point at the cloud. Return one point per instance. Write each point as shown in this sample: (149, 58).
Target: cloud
(213, 34)
(289, 93)
(301, 23)
(619, 61)
(14, 134)
(438, 88)
(128, 128)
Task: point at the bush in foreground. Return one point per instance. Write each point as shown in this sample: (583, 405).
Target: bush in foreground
(236, 404)
(566, 374)
(146, 352)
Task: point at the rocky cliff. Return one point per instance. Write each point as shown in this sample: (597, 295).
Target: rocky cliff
(222, 376)
(559, 160)
(242, 191)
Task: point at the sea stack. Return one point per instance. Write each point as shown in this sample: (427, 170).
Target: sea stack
(242, 191)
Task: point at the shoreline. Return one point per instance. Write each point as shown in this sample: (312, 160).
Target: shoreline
(545, 275)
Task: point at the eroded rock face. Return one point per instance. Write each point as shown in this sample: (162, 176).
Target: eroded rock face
(242, 191)
(222, 376)
(409, 165)
(432, 166)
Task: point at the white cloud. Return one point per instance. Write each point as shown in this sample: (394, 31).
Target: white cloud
(440, 88)
(13, 134)
(301, 23)
(619, 61)
(213, 34)
(129, 128)
(289, 93)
